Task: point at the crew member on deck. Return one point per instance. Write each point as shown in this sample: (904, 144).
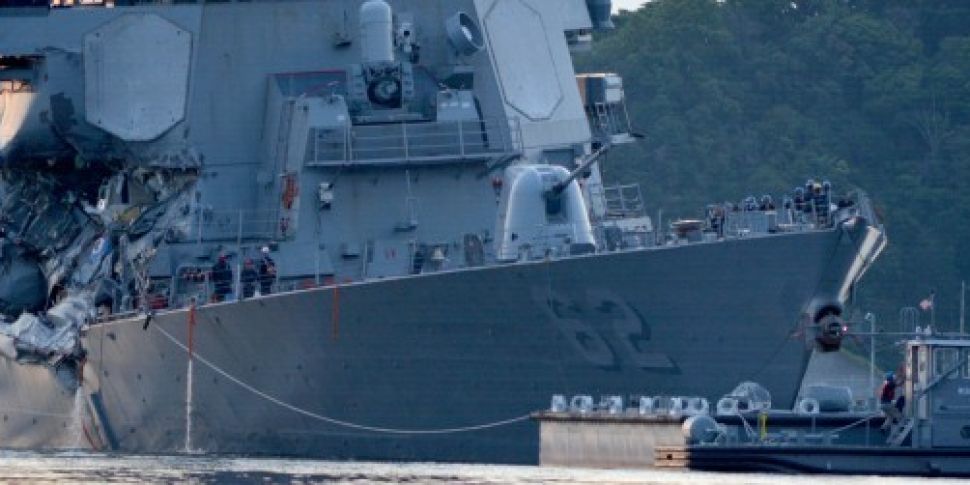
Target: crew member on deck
(799, 199)
(221, 278)
(887, 402)
(267, 272)
(248, 278)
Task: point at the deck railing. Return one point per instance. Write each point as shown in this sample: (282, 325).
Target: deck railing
(410, 142)
(235, 226)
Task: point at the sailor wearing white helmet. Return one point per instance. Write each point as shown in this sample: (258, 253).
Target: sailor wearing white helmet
(267, 272)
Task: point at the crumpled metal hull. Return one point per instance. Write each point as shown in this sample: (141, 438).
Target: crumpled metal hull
(37, 409)
(388, 369)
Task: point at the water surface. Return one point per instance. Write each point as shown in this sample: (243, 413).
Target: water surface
(77, 467)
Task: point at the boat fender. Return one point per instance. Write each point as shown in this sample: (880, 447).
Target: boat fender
(678, 406)
(808, 406)
(581, 404)
(697, 405)
(727, 406)
(700, 429)
(612, 404)
(558, 404)
(647, 405)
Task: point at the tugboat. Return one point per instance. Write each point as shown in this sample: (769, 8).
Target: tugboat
(925, 431)
(930, 436)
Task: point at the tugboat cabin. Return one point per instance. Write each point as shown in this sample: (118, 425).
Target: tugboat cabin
(937, 392)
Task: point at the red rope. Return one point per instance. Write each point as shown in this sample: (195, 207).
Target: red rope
(80, 370)
(191, 324)
(87, 436)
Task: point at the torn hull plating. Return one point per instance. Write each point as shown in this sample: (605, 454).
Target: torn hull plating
(458, 349)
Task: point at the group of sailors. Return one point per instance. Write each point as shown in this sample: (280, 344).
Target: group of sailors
(255, 277)
(814, 200)
(811, 203)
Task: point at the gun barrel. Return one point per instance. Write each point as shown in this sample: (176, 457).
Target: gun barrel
(583, 166)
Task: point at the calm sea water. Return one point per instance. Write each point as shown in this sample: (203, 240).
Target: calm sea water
(24, 467)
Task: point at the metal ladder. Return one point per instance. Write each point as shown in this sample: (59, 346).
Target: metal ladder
(900, 432)
(601, 110)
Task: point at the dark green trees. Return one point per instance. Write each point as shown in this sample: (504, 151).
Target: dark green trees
(746, 96)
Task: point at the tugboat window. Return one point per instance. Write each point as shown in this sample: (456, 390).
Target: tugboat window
(914, 366)
(924, 357)
(944, 358)
(966, 363)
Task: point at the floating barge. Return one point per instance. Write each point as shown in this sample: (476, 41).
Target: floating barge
(845, 460)
(825, 433)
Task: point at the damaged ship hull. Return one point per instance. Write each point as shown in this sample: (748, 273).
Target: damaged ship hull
(395, 369)
(415, 153)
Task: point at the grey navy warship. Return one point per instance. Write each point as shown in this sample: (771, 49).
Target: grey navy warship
(425, 177)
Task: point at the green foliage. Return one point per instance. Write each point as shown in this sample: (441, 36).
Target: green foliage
(741, 97)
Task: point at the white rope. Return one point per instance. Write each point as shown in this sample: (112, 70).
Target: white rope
(320, 417)
(856, 423)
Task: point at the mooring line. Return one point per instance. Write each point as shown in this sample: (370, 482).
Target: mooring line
(327, 419)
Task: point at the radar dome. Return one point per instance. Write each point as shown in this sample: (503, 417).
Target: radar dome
(376, 44)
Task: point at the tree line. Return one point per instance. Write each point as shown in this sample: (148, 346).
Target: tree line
(745, 97)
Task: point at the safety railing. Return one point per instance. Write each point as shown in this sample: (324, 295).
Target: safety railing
(738, 220)
(744, 222)
(197, 283)
(611, 120)
(732, 220)
(212, 226)
(410, 142)
(864, 206)
(620, 200)
(190, 283)
(86, 3)
(555, 237)
(548, 241)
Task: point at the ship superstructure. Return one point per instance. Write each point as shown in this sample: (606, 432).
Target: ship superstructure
(424, 177)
